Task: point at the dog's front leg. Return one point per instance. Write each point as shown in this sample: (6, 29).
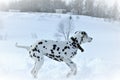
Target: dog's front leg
(72, 66)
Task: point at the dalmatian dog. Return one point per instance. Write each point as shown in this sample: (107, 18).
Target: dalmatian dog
(61, 51)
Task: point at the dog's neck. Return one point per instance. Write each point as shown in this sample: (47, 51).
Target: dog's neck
(76, 44)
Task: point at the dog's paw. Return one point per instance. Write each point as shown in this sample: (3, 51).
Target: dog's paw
(35, 76)
(75, 72)
(71, 73)
(33, 73)
(68, 75)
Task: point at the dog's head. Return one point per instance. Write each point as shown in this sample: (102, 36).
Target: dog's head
(81, 37)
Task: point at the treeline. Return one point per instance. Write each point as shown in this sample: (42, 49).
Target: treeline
(38, 5)
(96, 8)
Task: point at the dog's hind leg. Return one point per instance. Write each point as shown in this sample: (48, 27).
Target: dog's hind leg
(39, 60)
(72, 66)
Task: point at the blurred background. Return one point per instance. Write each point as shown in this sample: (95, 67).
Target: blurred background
(97, 8)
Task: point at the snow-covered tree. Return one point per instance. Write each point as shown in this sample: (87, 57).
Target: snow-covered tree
(100, 9)
(89, 7)
(115, 11)
(78, 6)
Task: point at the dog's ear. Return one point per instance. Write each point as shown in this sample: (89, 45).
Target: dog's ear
(79, 47)
(83, 33)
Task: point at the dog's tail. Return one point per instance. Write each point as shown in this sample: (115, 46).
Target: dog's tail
(20, 46)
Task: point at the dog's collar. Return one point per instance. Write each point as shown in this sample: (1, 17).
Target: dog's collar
(76, 44)
(74, 39)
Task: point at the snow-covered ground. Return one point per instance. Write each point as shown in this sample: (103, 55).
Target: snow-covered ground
(100, 61)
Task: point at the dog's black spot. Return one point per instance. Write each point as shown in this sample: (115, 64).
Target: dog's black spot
(46, 54)
(38, 59)
(43, 46)
(68, 64)
(34, 55)
(54, 46)
(51, 55)
(58, 56)
(59, 53)
(66, 47)
(40, 43)
(35, 49)
(74, 45)
(29, 52)
(61, 59)
(38, 56)
(38, 51)
(36, 45)
(65, 53)
(30, 55)
(41, 58)
(71, 62)
(52, 51)
(75, 53)
(58, 49)
(56, 59)
(45, 40)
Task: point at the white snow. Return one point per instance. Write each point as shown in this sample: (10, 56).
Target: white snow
(100, 61)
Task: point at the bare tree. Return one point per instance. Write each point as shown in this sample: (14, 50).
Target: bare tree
(101, 9)
(65, 28)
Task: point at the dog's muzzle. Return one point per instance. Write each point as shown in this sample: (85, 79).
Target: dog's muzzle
(90, 39)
